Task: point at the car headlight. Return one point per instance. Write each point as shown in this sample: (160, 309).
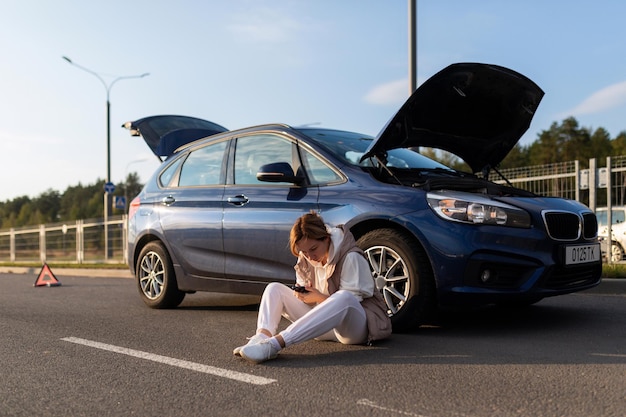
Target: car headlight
(468, 208)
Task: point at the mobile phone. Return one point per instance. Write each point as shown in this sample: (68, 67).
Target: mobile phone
(299, 288)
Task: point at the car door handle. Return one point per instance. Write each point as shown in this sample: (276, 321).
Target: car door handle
(169, 200)
(238, 200)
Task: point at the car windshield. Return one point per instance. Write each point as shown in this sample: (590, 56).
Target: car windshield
(350, 147)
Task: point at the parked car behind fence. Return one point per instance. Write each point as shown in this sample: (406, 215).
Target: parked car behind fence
(618, 240)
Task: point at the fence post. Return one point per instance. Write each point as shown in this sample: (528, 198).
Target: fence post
(609, 187)
(80, 246)
(12, 244)
(592, 184)
(577, 180)
(609, 212)
(42, 243)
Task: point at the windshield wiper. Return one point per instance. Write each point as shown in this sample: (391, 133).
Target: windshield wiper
(445, 171)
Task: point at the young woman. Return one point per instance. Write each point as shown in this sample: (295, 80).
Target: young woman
(334, 298)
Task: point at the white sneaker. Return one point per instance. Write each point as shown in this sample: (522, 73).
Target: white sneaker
(259, 352)
(257, 338)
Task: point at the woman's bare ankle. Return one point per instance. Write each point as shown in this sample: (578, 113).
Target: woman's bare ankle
(265, 332)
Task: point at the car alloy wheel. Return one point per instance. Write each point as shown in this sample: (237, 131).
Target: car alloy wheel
(156, 280)
(403, 274)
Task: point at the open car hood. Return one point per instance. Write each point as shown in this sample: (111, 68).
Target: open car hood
(166, 133)
(475, 111)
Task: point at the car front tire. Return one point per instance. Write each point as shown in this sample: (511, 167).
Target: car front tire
(403, 274)
(155, 276)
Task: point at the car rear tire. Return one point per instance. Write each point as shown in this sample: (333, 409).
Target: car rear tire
(403, 274)
(155, 276)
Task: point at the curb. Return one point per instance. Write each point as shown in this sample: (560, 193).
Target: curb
(70, 272)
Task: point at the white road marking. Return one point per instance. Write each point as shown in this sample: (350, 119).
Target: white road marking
(368, 403)
(431, 356)
(609, 355)
(198, 367)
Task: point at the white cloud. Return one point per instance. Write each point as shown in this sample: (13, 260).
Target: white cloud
(605, 99)
(264, 25)
(14, 141)
(393, 92)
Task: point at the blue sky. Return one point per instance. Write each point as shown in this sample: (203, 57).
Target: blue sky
(340, 64)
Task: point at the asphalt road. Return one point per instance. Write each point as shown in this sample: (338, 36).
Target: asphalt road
(91, 348)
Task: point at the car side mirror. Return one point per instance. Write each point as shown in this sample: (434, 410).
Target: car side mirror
(278, 172)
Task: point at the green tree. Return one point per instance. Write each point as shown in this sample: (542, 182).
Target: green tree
(48, 204)
(618, 145)
(128, 189)
(11, 212)
(601, 145)
(518, 157)
(548, 148)
(562, 142)
(82, 202)
(576, 141)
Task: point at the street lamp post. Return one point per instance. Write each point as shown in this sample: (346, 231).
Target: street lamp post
(107, 195)
(412, 46)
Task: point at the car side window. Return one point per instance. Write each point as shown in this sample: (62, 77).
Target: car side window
(256, 150)
(318, 171)
(203, 166)
(168, 175)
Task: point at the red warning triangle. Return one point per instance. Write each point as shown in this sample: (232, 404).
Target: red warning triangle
(46, 278)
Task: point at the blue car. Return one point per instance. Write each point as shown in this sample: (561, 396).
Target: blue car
(216, 214)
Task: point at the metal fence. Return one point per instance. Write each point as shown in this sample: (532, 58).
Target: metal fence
(595, 186)
(559, 179)
(84, 241)
(81, 242)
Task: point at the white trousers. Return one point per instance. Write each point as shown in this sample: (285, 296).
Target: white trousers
(340, 317)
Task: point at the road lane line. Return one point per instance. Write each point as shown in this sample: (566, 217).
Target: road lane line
(609, 355)
(368, 403)
(198, 367)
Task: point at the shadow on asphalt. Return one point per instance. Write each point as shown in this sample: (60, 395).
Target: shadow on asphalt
(220, 301)
(539, 334)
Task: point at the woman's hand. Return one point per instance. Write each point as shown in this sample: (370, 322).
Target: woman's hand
(312, 296)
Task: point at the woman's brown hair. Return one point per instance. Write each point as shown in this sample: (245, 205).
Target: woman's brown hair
(308, 226)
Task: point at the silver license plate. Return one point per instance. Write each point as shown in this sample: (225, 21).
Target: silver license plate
(582, 254)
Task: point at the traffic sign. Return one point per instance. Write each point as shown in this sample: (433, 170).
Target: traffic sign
(109, 187)
(120, 202)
